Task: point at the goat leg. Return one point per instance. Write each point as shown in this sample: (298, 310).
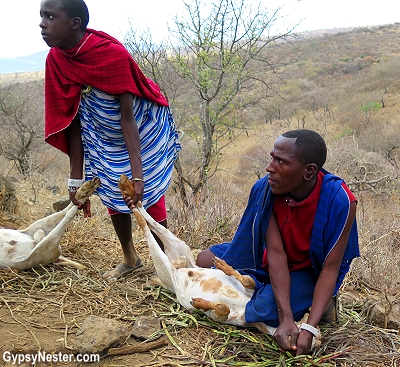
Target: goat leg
(62, 260)
(246, 280)
(126, 187)
(219, 310)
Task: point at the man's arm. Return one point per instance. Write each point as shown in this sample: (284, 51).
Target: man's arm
(75, 148)
(74, 137)
(326, 283)
(132, 142)
(287, 332)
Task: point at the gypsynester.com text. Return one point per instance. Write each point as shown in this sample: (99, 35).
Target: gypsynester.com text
(43, 357)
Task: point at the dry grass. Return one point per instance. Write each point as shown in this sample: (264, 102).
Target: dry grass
(42, 309)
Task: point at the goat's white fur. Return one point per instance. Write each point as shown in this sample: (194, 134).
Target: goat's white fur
(39, 244)
(190, 282)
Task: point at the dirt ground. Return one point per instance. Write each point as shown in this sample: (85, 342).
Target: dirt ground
(42, 309)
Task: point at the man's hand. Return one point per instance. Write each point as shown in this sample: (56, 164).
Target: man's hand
(304, 342)
(286, 336)
(136, 190)
(86, 206)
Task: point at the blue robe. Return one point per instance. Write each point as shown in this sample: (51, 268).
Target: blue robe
(245, 251)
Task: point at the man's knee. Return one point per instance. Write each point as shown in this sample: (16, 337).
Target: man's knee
(204, 259)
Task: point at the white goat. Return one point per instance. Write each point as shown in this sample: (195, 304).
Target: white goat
(222, 293)
(39, 244)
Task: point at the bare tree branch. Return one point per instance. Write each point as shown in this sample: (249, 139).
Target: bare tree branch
(216, 65)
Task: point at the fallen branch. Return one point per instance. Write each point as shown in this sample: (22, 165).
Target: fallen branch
(138, 348)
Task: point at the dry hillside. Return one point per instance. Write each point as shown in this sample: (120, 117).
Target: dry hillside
(344, 85)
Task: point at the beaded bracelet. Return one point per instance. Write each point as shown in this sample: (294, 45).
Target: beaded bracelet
(314, 331)
(74, 184)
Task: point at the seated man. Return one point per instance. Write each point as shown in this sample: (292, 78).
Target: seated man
(297, 238)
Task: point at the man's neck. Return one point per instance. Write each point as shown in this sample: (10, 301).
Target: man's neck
(305, 190)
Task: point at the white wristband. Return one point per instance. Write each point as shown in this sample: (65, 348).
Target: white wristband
(74, 182)
(314, 331)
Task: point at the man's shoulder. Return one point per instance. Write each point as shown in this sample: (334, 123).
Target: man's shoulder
(328, 176)
(334, 190)
(330, 181)
(260, 183)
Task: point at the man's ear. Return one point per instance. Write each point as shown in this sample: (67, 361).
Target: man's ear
(311, 171)
(76, 23)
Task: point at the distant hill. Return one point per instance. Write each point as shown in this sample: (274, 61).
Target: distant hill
(30, 63)
(36, 62)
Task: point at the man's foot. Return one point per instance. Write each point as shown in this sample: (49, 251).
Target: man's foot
(122, 270)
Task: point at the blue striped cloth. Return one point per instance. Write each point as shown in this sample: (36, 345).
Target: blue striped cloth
(106, 155)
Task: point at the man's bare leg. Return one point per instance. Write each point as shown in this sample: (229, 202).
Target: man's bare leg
(123, 228)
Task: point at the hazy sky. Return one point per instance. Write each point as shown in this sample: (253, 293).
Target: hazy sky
(20, 32)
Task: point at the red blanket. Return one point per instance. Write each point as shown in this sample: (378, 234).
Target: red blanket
(100, 61)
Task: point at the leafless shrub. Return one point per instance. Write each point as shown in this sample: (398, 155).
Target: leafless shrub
(378, 268)
(254, 161)
(21, 121)
(8, 199)
(209, 219)
(362, 170)
(381, 136)
(374, 180)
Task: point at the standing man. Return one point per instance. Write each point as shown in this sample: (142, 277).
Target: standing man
(110, 119)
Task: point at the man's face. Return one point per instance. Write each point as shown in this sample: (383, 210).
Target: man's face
(56, 25)
(286, 171)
